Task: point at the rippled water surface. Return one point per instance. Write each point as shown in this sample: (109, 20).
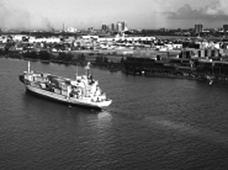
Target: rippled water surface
(153, 123)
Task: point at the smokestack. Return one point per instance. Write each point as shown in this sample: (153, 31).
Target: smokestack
(63, 28)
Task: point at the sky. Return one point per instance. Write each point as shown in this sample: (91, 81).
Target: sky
(138, 14)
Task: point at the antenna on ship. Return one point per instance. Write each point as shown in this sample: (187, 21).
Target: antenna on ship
(76, 74)
(87, 68)
(29, 67)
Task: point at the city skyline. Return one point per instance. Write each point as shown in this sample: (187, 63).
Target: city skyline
(31, 14)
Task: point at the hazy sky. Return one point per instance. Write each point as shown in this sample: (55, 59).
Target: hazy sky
(37, 14)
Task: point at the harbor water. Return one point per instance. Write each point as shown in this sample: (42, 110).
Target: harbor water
(153, 123)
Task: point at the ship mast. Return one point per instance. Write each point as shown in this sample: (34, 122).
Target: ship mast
(87, 68)
(29, 67)
(76, 74)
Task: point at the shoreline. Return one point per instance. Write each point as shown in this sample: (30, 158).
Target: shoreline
(115, 67)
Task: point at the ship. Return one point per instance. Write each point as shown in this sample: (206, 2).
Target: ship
(81, 91)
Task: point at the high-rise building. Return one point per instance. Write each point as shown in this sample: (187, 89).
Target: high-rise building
(225, 28)
(91, 29)
(118, 27)
(198, 28)
(113, 29)
(104, 27)
(121, 26)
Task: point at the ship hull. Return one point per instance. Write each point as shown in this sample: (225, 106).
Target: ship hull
(69, 101)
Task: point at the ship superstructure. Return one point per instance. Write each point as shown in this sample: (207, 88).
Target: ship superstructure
(83, 90)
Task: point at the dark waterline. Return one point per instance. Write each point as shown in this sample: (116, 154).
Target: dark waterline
(153, 123)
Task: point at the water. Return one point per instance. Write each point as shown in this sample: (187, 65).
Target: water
(153, 123)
